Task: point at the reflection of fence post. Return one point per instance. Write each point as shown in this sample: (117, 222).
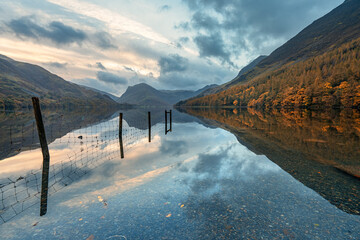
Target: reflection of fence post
(45, 153)
(170, 121)
(165, 122)
(149, 121)
(120, 135)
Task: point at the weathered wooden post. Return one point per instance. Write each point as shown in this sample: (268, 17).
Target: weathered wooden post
(120, 135)
(165, 122)
(45, 153)
(170, 113)
(149, 121)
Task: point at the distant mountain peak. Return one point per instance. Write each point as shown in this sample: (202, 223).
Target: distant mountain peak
(146, 95)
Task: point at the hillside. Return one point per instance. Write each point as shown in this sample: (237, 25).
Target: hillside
(21, 81)
(143, 94)
(316, 68)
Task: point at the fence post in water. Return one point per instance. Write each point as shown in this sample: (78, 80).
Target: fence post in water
(45, 153)
(120, 135)
(165, 122)
(149, 121)
(170, 121)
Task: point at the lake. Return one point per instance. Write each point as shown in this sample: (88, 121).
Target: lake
(215, 174)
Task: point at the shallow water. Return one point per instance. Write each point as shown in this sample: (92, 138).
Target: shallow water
(198, 181)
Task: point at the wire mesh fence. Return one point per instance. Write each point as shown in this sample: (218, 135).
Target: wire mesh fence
(86, 149)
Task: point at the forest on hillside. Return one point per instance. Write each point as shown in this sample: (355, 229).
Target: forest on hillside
(328, 80)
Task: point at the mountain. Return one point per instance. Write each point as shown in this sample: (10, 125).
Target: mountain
(21, 81)
(316, 68)
(251, 65)
(143, 94)
(113, 97)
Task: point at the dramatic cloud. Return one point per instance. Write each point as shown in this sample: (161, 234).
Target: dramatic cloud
(104, 40)
(211, 41)
(111, 78)
(201, 20)
(227, 29)
(99, 65)
(57, 32)
(212, 46)
(173, 63)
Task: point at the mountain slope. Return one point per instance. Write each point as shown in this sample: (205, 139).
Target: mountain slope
(143, 94)
(316, 68)
(21, 81)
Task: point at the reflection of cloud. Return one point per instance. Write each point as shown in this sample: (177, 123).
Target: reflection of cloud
(173, 148)
(228, 162)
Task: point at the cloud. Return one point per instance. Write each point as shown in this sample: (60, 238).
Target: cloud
(129, 69)
(202, 20)
(111, 78)
(184, 39)
(56, 64)
(179, 80)
(117, 22)
(173, 63)
(183, 25)
(104, 40)
(99, 65)
(243, 27)
(55, 31)
(164, 8)
(212, 46)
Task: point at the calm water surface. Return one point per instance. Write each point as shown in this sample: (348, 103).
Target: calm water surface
(219, 174)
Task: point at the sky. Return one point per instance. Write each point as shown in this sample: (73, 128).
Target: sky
(179, 44)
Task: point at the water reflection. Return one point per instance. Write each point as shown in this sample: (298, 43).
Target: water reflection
(320, 149)
(18, 129)
(195, 183)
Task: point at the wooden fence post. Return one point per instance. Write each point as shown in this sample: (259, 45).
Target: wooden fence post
(170, 121)
(45, 153)
(165, 122)
(120, 135)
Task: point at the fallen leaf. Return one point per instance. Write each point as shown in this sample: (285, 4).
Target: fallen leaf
(169, 215)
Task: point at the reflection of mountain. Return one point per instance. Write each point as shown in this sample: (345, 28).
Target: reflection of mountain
(319, 149)
(138, 117)
(18, 130)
